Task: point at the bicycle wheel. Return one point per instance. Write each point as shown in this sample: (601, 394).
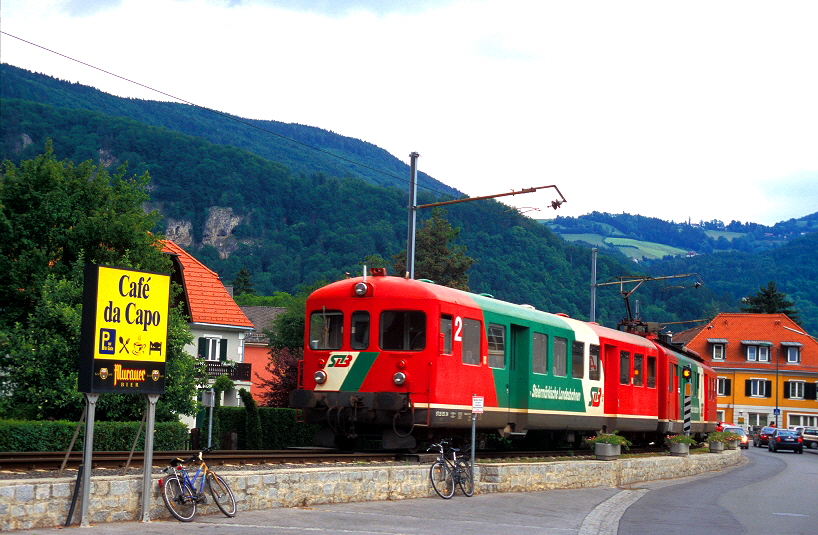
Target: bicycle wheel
(178, 501)
(222, 494)
(465, 478)
(442, 479)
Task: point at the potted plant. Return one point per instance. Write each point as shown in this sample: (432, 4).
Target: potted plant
(718, 439)
(608, 446)
(679, 445)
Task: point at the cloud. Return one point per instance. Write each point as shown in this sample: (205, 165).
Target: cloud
(340, 8)
(84, 8)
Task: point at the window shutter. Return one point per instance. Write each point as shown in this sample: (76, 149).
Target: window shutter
(222, 350)
(202, 348)
(786, 390)
(810, 391)
(727, 386)
(768, 389)
(748, 387)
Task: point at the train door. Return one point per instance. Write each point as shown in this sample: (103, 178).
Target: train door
(519, 374)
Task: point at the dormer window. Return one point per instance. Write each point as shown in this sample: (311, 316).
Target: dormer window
(717, 346)
(757, 350)
(793, 351)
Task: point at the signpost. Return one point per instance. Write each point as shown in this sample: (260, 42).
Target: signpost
(476, 408)
(122, 350)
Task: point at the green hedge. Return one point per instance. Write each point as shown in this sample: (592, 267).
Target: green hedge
(279, 431)
(279, 428)
(20, 435)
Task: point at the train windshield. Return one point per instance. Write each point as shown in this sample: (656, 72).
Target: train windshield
(326, 329)
(403, 330)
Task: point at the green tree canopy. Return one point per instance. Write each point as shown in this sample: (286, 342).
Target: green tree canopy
(770, 301)
(55, 217)
(435, 259)
(242, 283)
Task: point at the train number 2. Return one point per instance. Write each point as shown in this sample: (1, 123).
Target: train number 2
(458, 329)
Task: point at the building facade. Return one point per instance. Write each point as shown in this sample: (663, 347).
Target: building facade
(218, 325)
(767, 368)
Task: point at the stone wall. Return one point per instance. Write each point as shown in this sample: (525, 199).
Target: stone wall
(33, 503)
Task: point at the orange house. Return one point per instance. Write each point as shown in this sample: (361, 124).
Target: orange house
(256, 352)
(767, 368)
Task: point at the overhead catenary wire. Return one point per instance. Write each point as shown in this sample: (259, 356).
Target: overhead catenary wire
(226, 115)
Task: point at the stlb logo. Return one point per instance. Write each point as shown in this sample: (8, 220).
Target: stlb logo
(107, 341)
(596, 397)
(340, 361)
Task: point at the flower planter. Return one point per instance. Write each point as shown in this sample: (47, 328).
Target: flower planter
(679, 450)
(731, 445)
(716, 447)
(607, 452)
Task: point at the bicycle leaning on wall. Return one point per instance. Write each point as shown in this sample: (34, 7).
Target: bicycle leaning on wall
(182, 493)
(449, 470)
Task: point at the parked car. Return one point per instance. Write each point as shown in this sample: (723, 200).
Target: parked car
(760, 439)
(810, 437)
(785, 439)
(744, 441)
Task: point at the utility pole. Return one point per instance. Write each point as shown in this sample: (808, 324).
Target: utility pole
(413, 207)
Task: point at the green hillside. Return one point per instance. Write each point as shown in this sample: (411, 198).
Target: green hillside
(300, 217)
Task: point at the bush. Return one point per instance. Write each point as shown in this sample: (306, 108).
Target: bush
(21, 435)
(279, 430)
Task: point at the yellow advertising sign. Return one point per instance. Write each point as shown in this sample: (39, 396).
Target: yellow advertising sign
(131, 315)
(124, 331)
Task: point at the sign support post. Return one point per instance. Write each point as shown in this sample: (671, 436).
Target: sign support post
(148, 464)
(476, 408)
(87, 456)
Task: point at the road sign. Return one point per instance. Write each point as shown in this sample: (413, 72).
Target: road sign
(477, 404)
(777, 412)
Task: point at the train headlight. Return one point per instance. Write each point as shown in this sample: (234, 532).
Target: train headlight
(320, 377)
(360, 289)
(399, 378)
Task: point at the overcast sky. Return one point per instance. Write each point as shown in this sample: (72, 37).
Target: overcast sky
(699, 109)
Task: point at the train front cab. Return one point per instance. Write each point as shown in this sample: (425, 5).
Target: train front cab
(699, 387)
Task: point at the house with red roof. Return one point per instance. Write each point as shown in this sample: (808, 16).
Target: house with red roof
(256, 350)
(218, 325)
(767, 368)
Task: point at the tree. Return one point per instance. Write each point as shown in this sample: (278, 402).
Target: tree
(770, 301)
(434, 259)
(242, 283)
(55, 217)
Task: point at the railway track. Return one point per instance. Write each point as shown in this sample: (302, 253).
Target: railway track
(39, 461)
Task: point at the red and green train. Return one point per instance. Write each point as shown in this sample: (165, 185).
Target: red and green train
(400, 360)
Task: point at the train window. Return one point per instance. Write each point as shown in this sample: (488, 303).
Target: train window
(594, 371)
(446, 331)
(624, 368)
(651, 372)
(497, 345)
(539, 355)
(577, 359)
(359, 331)
(637, 369)
(560, 363)
(471, 342)
(326, 329)
(403, 330)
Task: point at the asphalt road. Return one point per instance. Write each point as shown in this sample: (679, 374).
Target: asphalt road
(768, 493)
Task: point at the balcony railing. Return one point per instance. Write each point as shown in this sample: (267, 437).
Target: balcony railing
(239, 372)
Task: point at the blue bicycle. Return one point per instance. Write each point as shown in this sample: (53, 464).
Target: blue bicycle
(182, 494)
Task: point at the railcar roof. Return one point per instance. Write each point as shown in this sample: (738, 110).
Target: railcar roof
(619, 336)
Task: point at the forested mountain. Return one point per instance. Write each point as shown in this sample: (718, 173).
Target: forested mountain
(292, 145)
(296, 216)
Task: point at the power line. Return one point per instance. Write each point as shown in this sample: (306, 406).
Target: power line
(226, 115)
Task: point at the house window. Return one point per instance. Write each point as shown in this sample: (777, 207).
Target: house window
(793, 355)
(758, 388)
(497, 346)
(752, 353)
(763, 354)
(718, 351)
(213, 349)
(796, 389)
(723, 386)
